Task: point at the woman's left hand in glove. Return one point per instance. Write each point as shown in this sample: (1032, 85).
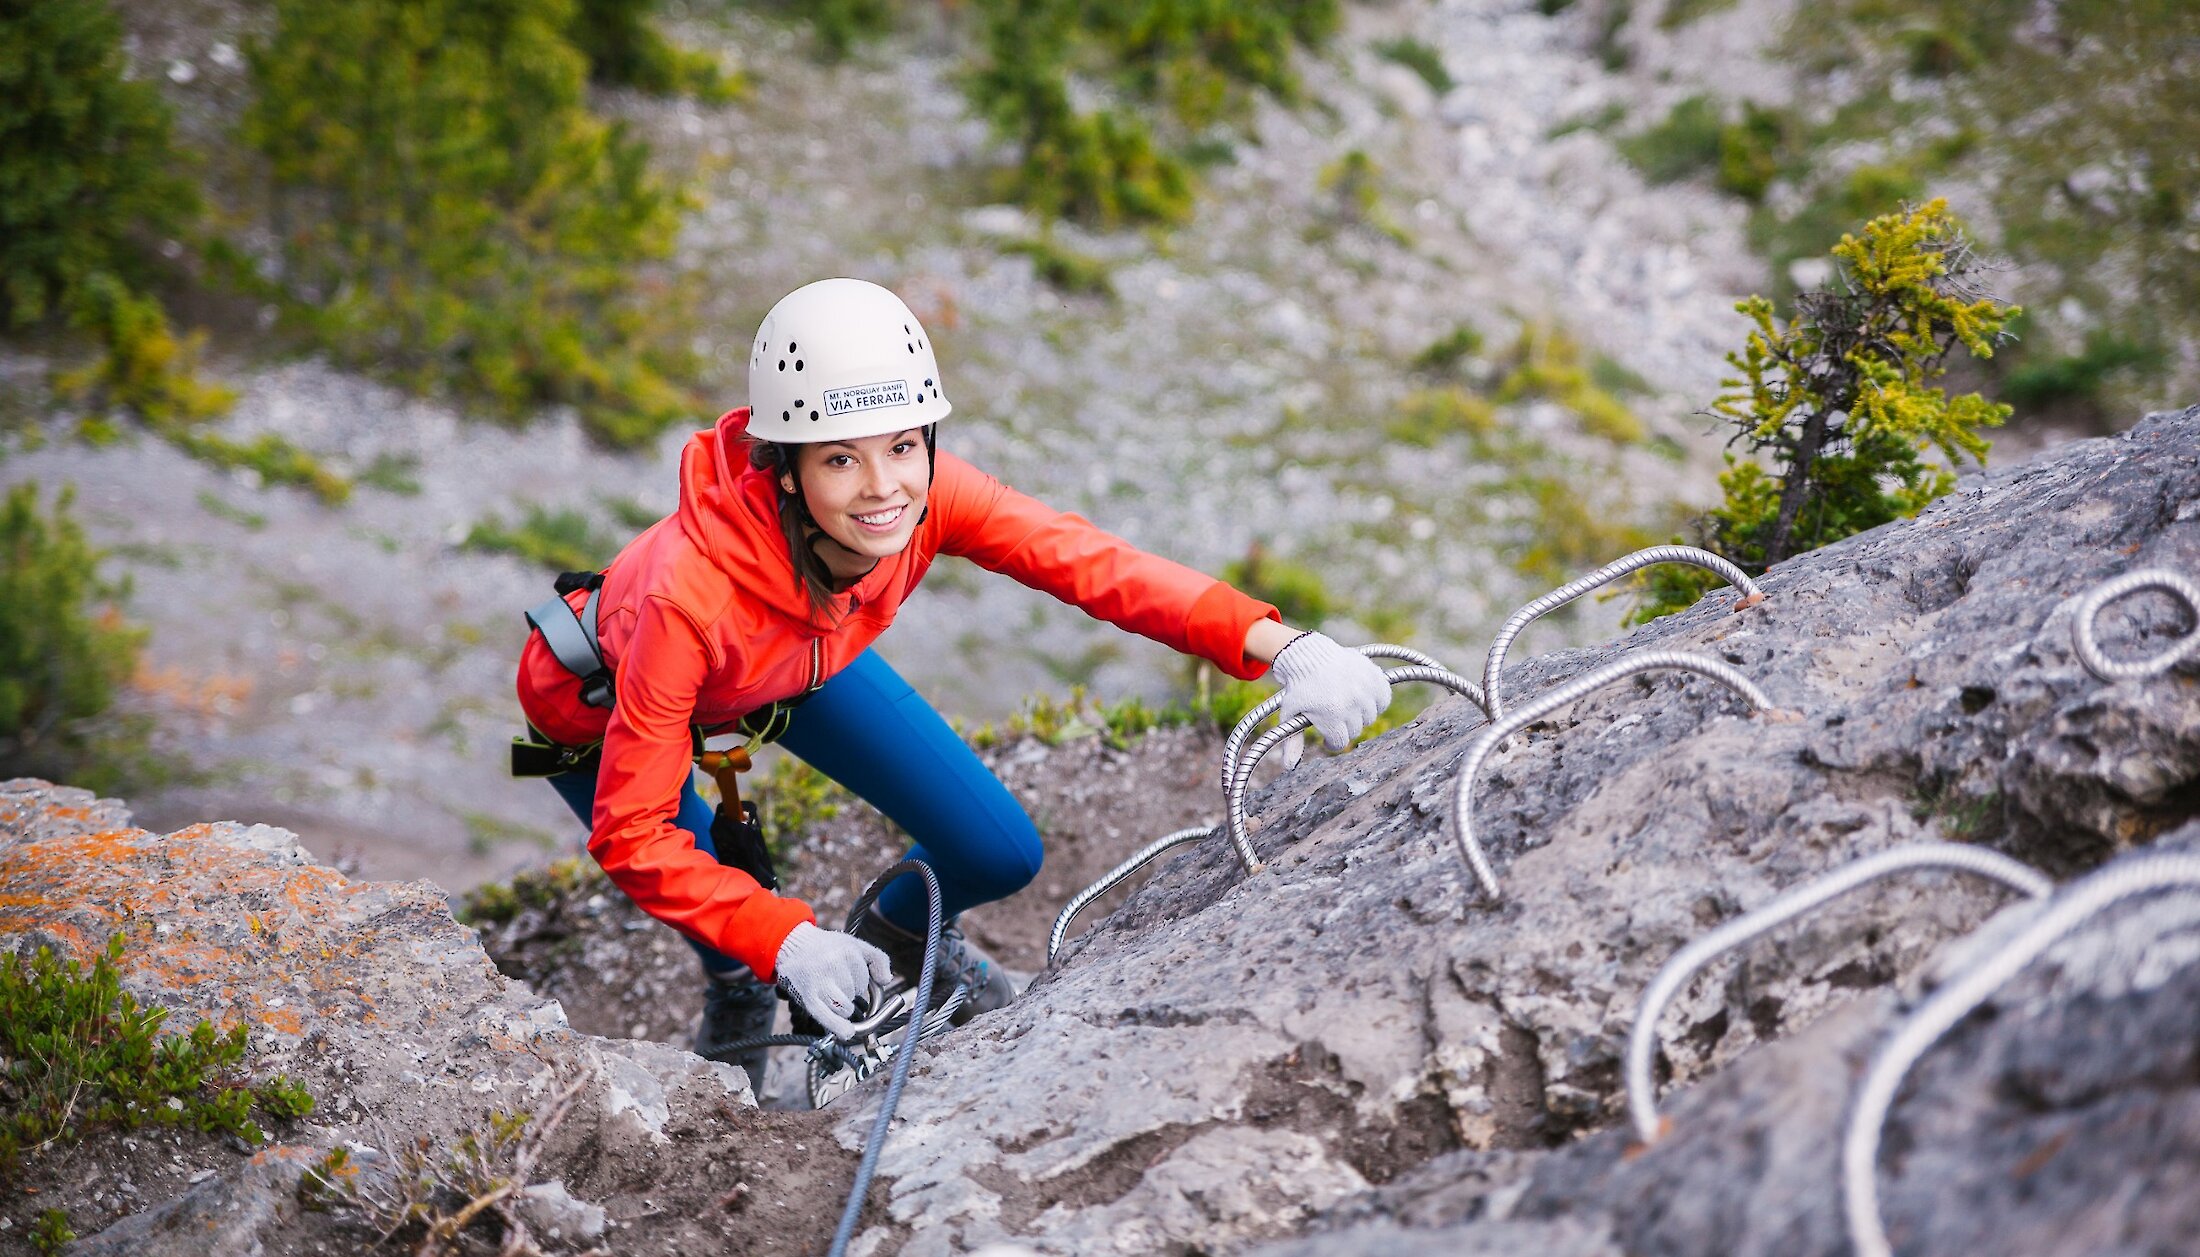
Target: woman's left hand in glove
(1340, 691)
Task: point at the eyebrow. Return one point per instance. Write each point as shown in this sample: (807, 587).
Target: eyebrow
(850, 445)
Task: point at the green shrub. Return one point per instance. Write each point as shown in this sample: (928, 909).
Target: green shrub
(1428, 416)
(272, 458)
(1418, 57)
(792, 799)
(2082, 377)
(559, 882)
(563, 540)
(1547, 363)
(1063, 267)
(1295, 590)
(454, 215)
(82, 1055)
(624, 48)
(1841, 399)
(51, 1231)
(1448, 350)
(61, 660)
(1184, 65)
(1685, 143)
(87, 174)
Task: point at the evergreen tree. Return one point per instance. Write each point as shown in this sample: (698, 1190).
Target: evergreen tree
(1841, 400)
(61, 658)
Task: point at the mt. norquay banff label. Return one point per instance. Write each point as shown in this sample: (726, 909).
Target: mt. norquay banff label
(842, 401)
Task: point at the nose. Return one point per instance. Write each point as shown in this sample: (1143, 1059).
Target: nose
(878, 480)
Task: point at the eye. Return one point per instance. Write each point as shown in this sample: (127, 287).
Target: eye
(840, 460)
(903, 447)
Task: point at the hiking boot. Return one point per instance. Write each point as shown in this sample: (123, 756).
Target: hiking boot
(735, 1007)
(961, 962)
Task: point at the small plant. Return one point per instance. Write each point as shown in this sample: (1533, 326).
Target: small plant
(1841, 399)
(82, 1055)
(563, 540)
(1353, 183)
(51, 1231)
(791, 799)
(62, 655)
(393, 473)
(1063, 267)
(1418, 57)
(272, 458)
(1447, 351)
(1428, 416)
(559, 882)
(1685, 143)
(436, 1201)
(1296, 591)
(625, 48)
(1547, 363)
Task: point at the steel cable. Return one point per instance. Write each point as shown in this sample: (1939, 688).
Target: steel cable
(899, 1078)
(1642, 1041)
(1955, 1000)
(1461, 821)
(2089, 608)
(1559, 597)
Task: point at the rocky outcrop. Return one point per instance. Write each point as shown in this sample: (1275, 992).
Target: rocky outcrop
(1228, 1057)
(371, 995)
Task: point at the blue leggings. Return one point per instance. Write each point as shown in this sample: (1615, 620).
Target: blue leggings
(872, 733)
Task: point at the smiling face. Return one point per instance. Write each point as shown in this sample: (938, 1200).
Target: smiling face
(866, 493)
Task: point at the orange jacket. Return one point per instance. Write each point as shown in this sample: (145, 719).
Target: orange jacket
(707, 601)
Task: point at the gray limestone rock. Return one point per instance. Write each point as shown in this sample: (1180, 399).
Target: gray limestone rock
(1360, 994)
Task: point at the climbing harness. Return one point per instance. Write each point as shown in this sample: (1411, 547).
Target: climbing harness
(2083, 627)
(1642, 1042)
(2071, 907)
(1559, 597)
(1461, 820)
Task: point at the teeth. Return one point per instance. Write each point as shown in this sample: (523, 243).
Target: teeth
(883, 517)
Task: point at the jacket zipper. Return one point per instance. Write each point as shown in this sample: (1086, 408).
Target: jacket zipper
(817, 663)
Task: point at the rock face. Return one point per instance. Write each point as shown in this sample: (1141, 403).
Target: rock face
(1352, 1050)
(1228, 1058)
(371, 995)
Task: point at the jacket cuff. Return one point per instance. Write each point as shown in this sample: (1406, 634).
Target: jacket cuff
(759, 926)
(1220, 620)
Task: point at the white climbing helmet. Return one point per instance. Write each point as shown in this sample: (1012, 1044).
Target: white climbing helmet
(840, 359)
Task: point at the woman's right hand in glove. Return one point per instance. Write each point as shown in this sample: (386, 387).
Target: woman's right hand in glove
(826, 972)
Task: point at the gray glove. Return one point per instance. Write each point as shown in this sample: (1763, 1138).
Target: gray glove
(1341, 691)
(826, 972)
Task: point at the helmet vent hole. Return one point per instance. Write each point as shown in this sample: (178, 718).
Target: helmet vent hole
(798, 403)
(905, 329)
(786, 416)
(912, 349)
(782, 364)
(928, 383)
(798, 364)
(791, 346)
(813, 416)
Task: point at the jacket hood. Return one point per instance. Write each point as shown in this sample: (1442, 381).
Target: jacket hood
(730, 511)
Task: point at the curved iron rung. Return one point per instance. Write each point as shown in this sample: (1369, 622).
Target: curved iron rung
(2083, 627)
(1113, 877)
(1642, 1041)
(1559, 597)
(2072, 907)
(1461, 821)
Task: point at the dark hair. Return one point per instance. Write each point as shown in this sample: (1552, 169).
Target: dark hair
(810, 571)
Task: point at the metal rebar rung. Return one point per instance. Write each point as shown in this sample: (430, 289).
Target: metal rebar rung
(1461, 822)
(1953, 1001)
(1235, 802)
(1559, 597)
(1113, 877)
(2083, 626)
(1642, 1042)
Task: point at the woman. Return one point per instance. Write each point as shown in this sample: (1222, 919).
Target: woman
(804, 522)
